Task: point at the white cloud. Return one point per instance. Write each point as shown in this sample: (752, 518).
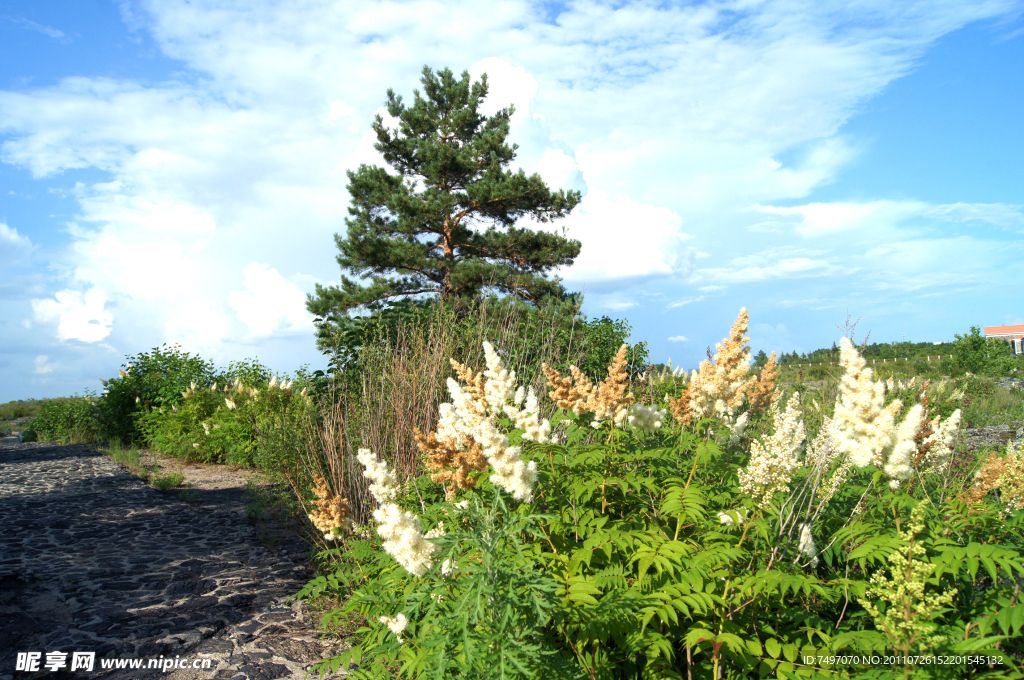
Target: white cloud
(998, 214)
(270, 303)
(777, 338)
(559, 170)
(678, 338)
(78, 316)
(45, 30)
(793, 267)
(684, 302)
(44, 365)
(13, 246)
(618, 305)
(815, 219)
(623, 237)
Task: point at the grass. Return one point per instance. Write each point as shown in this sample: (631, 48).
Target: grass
(128, 456)
(169, 481)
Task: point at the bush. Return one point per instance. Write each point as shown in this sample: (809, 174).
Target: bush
(666, 551)
(388, 374)
(71, 420)
(974, 353)
(238, 424)
(249, 371)
(149, 380)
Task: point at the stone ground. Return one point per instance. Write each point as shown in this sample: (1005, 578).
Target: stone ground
(94, 560)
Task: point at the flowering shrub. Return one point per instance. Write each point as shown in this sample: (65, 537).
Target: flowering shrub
(692, 547)
(148, 379)
(231, 423)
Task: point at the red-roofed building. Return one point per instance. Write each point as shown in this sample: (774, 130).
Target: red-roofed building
(1012, 334)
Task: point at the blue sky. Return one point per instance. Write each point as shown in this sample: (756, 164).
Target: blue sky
(175, 172)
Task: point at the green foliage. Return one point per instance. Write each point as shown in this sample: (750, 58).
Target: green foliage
(550, 327)
(262, 426)
(169, 481)
(71, 420)
(22, 408)
(489, 616)
(971, 353)
(760, 360)
(639, 558)
(129, 457)
(420, 223)
(974, 353)
(152, 379)
(602, 339)
(249, 371)
(903, 610)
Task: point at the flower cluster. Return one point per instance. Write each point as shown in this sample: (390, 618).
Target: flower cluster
(937, 447)
(608, 401)
(904, 445)
(451, 463)
(907, 620)
(397, 624)
(646, 418)
(822, 453)
(403, 538)
(527, 418)
(332, 513)
(773, 462)
(866, 430)
(385, 485)
(806, 544)
(681, 408)
(762, 393)
(466, 429)
(718, 386)
(1005, 473)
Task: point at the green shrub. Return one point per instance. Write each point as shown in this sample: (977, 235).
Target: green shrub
(974, 353)
(238, 425)
(670, 554)
(69, 420)
(249, 371)
(152, 379)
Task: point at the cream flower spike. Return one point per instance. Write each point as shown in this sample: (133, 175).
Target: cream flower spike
(400, 530)
(864, 428)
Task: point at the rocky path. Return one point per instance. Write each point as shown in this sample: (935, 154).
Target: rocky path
(93, 560)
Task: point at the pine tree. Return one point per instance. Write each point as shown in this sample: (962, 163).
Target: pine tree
(444, 222)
